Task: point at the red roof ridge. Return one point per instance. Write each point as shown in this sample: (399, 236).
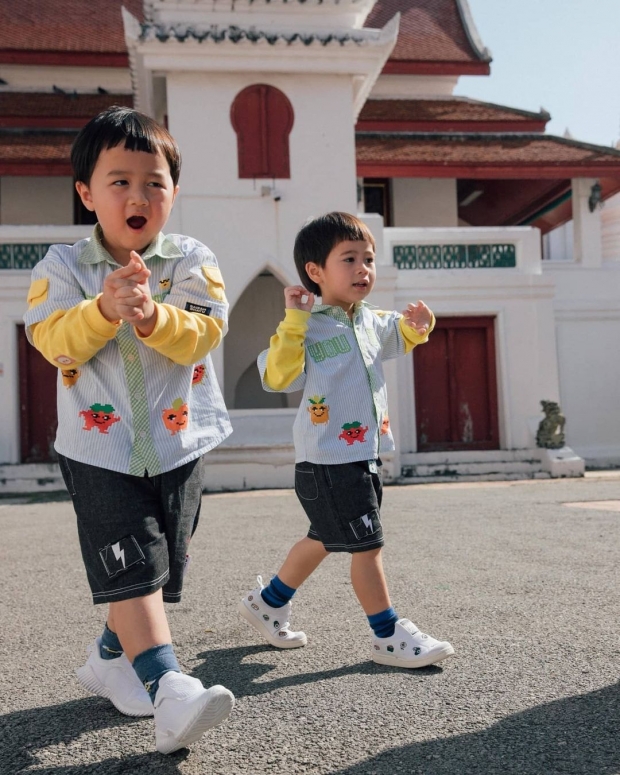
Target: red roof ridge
(436, 37)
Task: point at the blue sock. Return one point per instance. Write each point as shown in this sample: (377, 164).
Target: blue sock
(151, 664)
(383, 623)
(110, 647)
(277, 593)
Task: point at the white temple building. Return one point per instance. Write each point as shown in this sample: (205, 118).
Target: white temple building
(288, 109)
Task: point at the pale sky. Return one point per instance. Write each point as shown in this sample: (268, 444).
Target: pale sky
(563, 55)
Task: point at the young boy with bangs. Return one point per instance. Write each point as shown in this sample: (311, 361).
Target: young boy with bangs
(129, 317)
(334, 351)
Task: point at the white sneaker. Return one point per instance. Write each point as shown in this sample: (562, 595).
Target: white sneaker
(184, 710)
(272, 623)
(409, 647)
(116, 680)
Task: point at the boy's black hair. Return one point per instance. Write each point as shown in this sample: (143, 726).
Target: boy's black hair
(118, 125)
(319, 237)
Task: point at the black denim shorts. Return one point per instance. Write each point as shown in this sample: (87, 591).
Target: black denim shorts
(134, 531)
(342, 503)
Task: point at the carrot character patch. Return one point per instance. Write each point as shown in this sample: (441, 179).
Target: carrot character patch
(177, 417)
(352, 432)
(100, 416)
(70, 377)
(319, 411)
(199, 374)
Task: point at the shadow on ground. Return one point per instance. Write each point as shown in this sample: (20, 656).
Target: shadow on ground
(24, 733)
(226, 666)
(573, 736)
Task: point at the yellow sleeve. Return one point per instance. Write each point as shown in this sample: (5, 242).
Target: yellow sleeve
(286, 354)
(411, 336)
(184, 337)
(73, 336)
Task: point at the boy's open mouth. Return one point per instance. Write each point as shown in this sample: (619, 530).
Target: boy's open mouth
(360, 285)
(136, 222)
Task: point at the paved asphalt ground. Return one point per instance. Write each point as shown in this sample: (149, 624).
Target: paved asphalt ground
(525, 587)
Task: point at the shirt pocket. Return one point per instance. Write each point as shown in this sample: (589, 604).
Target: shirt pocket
(215, 282)
(37, 292)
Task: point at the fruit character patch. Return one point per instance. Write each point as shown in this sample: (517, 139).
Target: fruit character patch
(70, 377)
(177, 417)
(385, 426)
(352, 432)
(100, 416)
(319, 411)
(199, 374)
(164, 284)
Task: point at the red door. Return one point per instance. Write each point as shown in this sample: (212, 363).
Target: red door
(37, 402)
(456, 386)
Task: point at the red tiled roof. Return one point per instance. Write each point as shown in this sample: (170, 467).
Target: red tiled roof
(45, 153)
(447, 115)
(29, 109)
(64, 26)
(431, 31)
(479, 155)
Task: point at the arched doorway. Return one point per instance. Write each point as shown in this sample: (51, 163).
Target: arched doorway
(252, 323)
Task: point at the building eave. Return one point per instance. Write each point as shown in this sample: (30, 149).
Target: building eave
(422, 67)
(63, 58)
(358, 53)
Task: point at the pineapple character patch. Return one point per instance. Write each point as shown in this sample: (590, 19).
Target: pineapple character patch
(319, 410)
(70, 377)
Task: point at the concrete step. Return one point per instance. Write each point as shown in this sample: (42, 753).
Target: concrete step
(472, 469)
(472, 465)
(30, 478)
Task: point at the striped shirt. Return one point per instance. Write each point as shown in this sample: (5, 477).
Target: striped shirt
(343, 415)
(129, 408)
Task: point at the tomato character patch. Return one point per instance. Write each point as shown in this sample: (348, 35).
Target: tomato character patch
(100, 416)
(385, 426)
(70, 377)
(199, 374)
(319, 411)
(177, 417)
(352, 432)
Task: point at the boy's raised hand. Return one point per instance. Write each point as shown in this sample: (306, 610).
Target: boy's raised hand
(126, 293)
(133, 294)
(418, 316)
(294, 295)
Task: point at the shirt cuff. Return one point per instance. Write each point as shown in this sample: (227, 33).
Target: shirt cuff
(97, 322)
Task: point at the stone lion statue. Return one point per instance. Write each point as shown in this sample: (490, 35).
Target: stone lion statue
(550, 433)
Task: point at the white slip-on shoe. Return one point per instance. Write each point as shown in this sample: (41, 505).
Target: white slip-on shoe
(272, 623)
(184, 710)
(116, 680)
(409, 647)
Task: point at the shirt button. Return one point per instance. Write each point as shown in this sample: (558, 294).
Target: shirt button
(142, 434)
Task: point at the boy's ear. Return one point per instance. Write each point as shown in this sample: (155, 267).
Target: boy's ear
(313, 271)
(84, 193)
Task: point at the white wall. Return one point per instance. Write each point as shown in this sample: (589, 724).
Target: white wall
(587, 318)
(520, 300)
(36, 200)
(424, 202)
(248, 231)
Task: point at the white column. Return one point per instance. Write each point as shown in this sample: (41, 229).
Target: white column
(588, 245)
(610, 217)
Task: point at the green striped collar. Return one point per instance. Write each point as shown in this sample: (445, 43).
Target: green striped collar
(338, 312)
(94, 252)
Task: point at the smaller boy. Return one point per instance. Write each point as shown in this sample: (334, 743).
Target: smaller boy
(334, 351)
(128, 317)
